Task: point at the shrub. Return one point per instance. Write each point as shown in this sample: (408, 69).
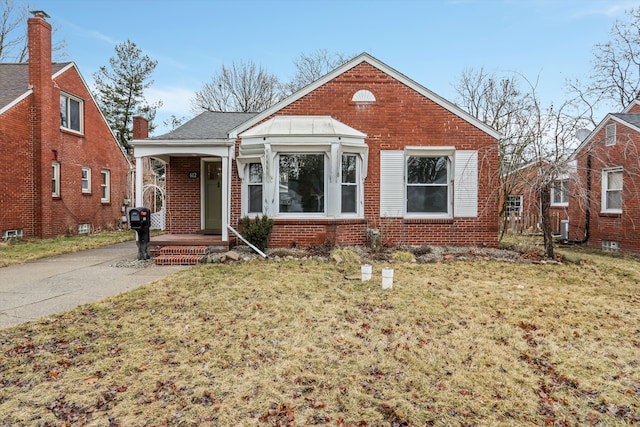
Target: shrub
(402, 256)
(257, 231)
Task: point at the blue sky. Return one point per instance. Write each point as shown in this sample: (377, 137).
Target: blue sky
(430, 41)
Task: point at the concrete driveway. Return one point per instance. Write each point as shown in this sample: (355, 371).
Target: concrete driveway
(52, 285)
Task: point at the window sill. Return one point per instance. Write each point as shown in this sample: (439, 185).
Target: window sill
(72, 132)
(432, 220)
(84, 193)
(611, 214)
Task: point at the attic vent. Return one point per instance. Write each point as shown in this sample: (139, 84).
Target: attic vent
(363, 95)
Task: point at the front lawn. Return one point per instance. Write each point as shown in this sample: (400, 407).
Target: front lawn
(20, 251)
(266, 343)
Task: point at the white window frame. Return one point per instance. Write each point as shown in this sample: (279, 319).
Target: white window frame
(55, 179)
(105, 186)
(514, 201)
(251, 184)
(355, 184)
(84, 228)
(278, 178)
(448, 184)
(605, 190)
(67, 112)
(564, 193)
(463, 181)
(610, 134)
(86, 178)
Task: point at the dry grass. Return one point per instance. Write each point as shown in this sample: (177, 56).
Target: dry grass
(483, 343)
(18, 252)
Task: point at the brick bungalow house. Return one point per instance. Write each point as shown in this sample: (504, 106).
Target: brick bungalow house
(62, 169)
(362, 148)
(606, 187)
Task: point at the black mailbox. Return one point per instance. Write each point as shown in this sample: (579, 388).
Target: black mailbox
(140, 220)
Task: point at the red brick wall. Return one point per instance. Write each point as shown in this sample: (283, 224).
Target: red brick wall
(29, 134)
(399, 117)
(16, 178)
(183, 196)
(622, 228)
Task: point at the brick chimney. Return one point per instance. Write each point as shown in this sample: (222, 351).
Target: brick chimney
(140, 128)
(39, 44)
(44, 119)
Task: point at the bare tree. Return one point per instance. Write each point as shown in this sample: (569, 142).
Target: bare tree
(614, 81)
(533, 134)
(500, 102)
(311, 67)
(243, 87)
(13, 33)
(616, 63)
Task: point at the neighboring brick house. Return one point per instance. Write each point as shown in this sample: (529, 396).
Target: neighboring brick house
(522, 205)
(607, 184)
(62, 170)
(363, 148)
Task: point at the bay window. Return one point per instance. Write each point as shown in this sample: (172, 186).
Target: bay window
(255, 187)
(301, 185)
(349, 188)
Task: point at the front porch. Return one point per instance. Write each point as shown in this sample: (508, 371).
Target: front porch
(185, 249)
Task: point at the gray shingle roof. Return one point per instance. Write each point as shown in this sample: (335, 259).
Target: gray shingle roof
(631, 118)
(207, 125)
(14, 80)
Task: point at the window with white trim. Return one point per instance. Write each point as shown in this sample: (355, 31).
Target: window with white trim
(612, 190)
(513, 204)
(86, 180)
(255, 187)
(560, 192)
(301, 183)
(610, 134)
(55, 179)
(349, 184)
(71, 112)
(429, 182)
(84, 228)
(105, 186)
(428, 185)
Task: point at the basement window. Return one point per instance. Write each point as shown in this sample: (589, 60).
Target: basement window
(84, 228)
(11, 235)
(610, 246)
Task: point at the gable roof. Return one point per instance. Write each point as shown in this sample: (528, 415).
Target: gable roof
(366, 58)
(14, 81)
(206, 126)
(631, 120)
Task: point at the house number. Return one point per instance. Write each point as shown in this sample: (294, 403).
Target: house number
(193, 175)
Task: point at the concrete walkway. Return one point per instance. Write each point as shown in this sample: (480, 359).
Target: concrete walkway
(52, 285)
